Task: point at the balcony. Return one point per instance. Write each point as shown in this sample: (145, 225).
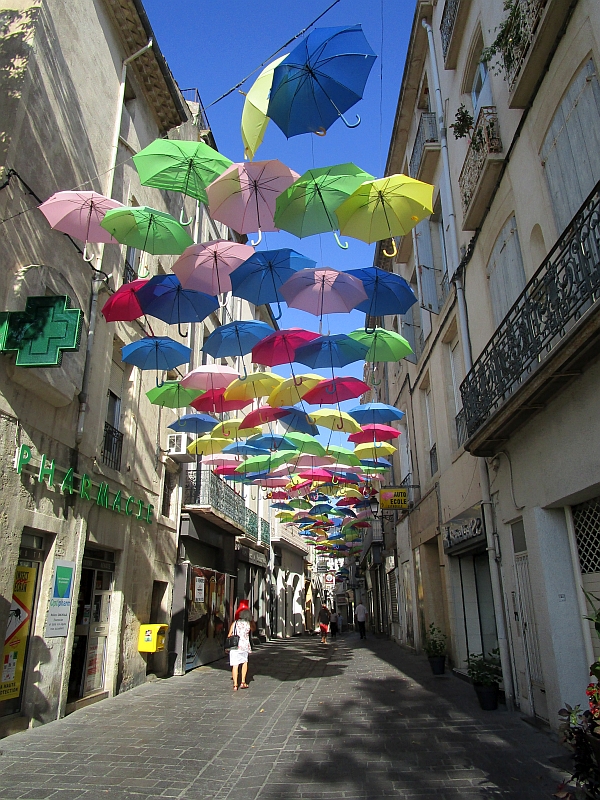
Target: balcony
(547, 338)
(482, 164)
(452, 26)
(425, 149)
(265, 532)
(210, 497)
(112, 447)
(251, 525)
(129, 274)
(460, 422)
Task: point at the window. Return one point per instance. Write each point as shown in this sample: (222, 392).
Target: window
(505, 271)
(430, 431)
(113, 412)
(132, 263)
(481, 92)
(455, 371)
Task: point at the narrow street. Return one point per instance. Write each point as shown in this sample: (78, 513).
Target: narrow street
(350, 720)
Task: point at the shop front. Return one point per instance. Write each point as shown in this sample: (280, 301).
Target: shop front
(252, 584)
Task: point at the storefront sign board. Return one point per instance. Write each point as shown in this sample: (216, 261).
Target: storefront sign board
(393, 498)
(17, 633)
(57, 621)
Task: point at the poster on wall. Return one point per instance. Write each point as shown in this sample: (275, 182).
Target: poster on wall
(57, 622)
(199, 589)
(207, 617)
(17, 632)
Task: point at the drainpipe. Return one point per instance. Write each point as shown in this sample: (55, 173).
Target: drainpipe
(97, 281)
(484, 480)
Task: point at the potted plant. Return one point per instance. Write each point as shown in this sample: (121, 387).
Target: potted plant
(435, 647)
(485, 674)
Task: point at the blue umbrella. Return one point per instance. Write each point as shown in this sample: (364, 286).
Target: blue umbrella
(282, 506)
(258, 279)
(236, 338)
(387, 293)
(165, 298)
(320, 79)
(297, 420)
(321, 508)
(375, 413)
(156, 352)
(197, 424)
(381, 462)
(242, 449)
(335, 350)
(271, 441)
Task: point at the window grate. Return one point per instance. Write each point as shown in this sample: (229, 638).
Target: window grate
(586, 519)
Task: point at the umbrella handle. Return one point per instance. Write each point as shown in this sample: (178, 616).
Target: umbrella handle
(394, 250)
(340, 427)
(350, 124)
(181, 333)
(145, 275)
(298, 381)
(343, 245)
(259, 240)
(182, 221)
(331, 390)
(279, 310)
(85, 255)
(320, 132)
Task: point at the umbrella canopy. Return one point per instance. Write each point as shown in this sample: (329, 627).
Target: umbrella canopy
(172, 395)
(156, 352)
(180, 166)
(336, 350)
(254, 113)
(336, 390)
(305, 461)
(257, 384)
(259, 279)
(229, 429)
(207, 267)
(316, 475)
(222, 460)
(79, 214)
(387, 292)
(298, 420)
(243, 197)
(261, 416)
(374, 450)
(195, 424)
(243, 449)
(306, 443)
(308, 206)
(374, 433)
(262, 462)
(320, 79)
(123, 305)
(343, 456)
(379, 464)
(207, 445)
(164, 297)
(147, 229)
(272, 441)
(383, 345)
(235, 338)
(334, 420)
(214, 401)
(385, 207)
(210, 377)
(293, 389)
(279, 347)
(323, 291)
(374, 413)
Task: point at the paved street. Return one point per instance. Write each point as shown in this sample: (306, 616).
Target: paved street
(352, 720)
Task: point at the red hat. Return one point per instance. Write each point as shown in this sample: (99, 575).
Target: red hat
(243, 606)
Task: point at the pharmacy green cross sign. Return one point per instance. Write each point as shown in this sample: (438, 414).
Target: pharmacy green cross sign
(40, 334)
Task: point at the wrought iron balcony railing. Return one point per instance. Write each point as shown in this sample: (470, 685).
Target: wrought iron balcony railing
(204, 488)
(565, 287)
(265, 532)
(112, 447)
(427, 133)
(251, 523)
(444, 288)
(129, 274)
(447, 24)
(461, 428)
(193, 96)
(518, 35)
(485, 141)
(433, 460)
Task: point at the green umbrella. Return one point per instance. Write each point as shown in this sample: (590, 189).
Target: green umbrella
(306, 444)
(172, 395)
(186, 167)
(342, 455)
(383, 345)
(308, 206)
(147, 229)
(262, 462)
(300, 504)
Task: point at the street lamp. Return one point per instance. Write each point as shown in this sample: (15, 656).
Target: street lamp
(374, 505)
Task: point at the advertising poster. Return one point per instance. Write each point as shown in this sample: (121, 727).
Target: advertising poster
(57, 622)
(207, 618)
(199, 590)
(17, 632)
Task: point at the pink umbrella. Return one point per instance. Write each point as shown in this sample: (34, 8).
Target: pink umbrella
(272, 483)
(283, 471)
(374, 433)
(124, 306)
(222, 460)
(315, 475)
(312, 462)
(206, 267)
(323, 290)
(214, 402)
(336, 390)
(280, 347)
(209, 376)
(229, 469)
(244, 196)
(79, 214)
(262, 415)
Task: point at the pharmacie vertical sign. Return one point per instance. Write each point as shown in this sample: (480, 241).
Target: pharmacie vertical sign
(17, 632)
(57, 621)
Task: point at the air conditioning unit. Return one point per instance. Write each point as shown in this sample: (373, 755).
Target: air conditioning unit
(177, 448)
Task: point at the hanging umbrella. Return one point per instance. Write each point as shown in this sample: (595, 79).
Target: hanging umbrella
(383, 345)
(374, 450)
(79, 214)
(323, 291)
(306, 443)
(374, 433)
(214, 401)
(272, 441)
(334, 420)
(259, 279)
(195, 424)
(207, 267)
(156, 352)
(226, 470)
(229, 429)
(305, 461)
(298, 420)
(235, 338)
(147, 229)
(385, 208)
(335, 391)
(374, 413)
(316, 475)
(308, 206)
(207, 445)
(243, 449)
(262, 462)
(172, 395)
(336, 350)
(343, 456)
(380, 463)
(262, 415)
(293, 389)
(387, 293)
(277, 495)
(279, 347)
(243, 197)
(257, 384)
(210, 377)
(320, 80)
(163, 297)
(123, 305)
(254, 113)
(222, 460)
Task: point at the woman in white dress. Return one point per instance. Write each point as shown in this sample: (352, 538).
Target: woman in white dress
(241, 627)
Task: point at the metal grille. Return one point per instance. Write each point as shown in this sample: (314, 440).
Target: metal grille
(204, 488)
(129, 273)
(112, 446)
(265, 532)
(447, 26)
(426, 133)
(520, 32)
(586, 518)
(393, 596)
(251, 523)
(461, 428)
(485, 140)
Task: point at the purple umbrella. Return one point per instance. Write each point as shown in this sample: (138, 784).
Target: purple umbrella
(323, 291)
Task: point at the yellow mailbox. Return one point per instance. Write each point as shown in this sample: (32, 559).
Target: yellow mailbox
(152, 638)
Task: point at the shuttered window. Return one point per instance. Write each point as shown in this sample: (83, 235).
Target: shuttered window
(393, 596)
(505, 270)
(571, 150)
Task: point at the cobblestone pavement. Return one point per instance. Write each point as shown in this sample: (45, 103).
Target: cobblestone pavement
(353, 720)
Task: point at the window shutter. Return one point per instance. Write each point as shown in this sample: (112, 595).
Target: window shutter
(426, 265)
(407, 329)
(505, 271)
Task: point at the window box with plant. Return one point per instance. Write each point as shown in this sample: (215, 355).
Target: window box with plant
(485, 674)
(435, 647)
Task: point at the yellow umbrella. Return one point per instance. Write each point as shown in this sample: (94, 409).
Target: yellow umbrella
(293, 389)
(228, 429)
(334, 420)
(207, 445)
(254, 113)
(374, 450)
(349, 491)
(257, 384)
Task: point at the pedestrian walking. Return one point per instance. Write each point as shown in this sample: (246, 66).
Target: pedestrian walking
(360, 615)
(242, 626)
(334, 623)
(324, 620)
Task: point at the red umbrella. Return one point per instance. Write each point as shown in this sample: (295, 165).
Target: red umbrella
(374, 433)
(213, 401)
(229, 469)
(316, 475)
(124, 306)
(280, 347)
(278, 495)
(262, 415)
(335, 390)
(347, 501)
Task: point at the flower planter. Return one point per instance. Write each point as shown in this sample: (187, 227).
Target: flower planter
(487, 696)
(438, 664)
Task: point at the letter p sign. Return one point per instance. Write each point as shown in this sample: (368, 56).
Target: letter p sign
(22, 457)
